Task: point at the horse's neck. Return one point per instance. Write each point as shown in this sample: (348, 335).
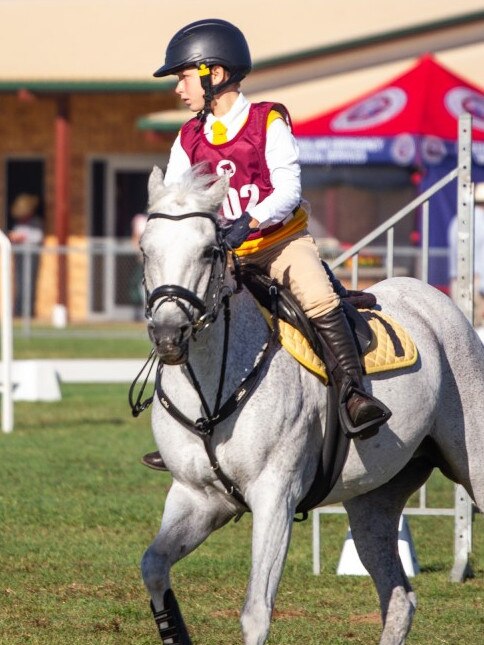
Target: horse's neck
(248, 332)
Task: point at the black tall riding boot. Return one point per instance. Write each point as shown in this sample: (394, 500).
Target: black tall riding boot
(360, 413)
(154, 460)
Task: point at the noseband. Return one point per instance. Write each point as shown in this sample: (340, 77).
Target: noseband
(182, 296)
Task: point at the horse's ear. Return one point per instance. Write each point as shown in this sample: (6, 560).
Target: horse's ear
(218, 190)
(155, 184)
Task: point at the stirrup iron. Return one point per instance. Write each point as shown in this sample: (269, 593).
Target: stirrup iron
(364, 430)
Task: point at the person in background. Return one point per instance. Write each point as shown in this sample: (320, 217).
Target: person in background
(265, 222)
(27, 232)
(478, 256)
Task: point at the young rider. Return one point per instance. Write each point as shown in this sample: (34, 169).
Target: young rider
(266, 224)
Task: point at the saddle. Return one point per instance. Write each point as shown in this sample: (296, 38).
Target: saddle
(383, 344)
(289, 311)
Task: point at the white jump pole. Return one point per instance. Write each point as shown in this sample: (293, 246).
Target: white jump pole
(465, 300)
(7, 337)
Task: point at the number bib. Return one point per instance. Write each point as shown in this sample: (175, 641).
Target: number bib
(242, 158)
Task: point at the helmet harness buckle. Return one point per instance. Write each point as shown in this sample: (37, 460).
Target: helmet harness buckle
(206, 81)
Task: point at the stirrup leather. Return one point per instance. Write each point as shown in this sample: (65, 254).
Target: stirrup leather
(368, 428)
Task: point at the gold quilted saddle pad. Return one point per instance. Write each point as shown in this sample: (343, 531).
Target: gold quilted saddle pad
(391, 348)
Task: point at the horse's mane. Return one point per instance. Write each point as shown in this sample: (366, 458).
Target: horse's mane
(190, 192)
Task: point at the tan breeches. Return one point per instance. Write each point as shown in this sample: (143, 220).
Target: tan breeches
(295, 263)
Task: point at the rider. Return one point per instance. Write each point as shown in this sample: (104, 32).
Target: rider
(266, 224)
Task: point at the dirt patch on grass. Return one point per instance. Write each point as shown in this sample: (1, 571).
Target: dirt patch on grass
(113, 625)
(366, 619)
(279, 614)
(226, 613)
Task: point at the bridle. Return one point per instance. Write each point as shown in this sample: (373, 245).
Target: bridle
(180, 296)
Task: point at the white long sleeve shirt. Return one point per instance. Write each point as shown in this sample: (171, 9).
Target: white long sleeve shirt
(282, 157)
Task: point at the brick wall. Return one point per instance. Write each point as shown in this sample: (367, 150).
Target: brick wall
(101, 123)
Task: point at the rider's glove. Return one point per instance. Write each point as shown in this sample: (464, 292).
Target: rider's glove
(238, 232)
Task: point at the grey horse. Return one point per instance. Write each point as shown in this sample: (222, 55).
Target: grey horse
(268, 447)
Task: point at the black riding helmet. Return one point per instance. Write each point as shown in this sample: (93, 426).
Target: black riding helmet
(206, 43)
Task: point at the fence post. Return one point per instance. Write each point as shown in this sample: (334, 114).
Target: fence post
(7, 351)
(465, 301)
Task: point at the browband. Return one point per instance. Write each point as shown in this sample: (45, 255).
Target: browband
(209, 216)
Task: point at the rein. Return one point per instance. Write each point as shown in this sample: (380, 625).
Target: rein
(204, 426)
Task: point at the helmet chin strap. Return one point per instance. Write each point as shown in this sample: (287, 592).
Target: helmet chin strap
(210, 91)
(206, 81)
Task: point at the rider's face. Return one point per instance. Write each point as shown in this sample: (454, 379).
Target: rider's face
(190, 90)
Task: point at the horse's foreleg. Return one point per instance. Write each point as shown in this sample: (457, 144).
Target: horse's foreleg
(374, 519)
(188, 519)
(272, 524)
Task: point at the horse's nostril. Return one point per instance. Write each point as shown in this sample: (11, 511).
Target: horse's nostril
(185, 331)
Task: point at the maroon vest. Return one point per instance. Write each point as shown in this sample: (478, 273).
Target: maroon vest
(242, 158)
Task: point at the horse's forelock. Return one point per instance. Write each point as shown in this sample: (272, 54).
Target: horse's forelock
(190, 192)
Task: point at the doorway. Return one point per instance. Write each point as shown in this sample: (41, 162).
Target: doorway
(25, 175)
(118, 191)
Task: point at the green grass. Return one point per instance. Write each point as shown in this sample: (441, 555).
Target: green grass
(108, 340)
(77, 512)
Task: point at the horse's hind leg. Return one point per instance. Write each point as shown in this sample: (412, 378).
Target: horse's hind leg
(374, 519)
(188, 519)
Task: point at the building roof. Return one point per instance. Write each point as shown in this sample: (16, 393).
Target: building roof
(61, 45)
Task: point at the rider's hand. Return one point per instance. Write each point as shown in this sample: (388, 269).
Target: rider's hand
(238, 232)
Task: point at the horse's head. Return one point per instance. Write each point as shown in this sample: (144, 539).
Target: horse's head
(184, 259)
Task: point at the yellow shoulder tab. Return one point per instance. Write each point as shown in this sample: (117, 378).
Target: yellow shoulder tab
(272, 116)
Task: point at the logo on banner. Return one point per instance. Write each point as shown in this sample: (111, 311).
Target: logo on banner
(403, 149)
(462, 99)
(375, 110)
(433, 150)
(225, 167)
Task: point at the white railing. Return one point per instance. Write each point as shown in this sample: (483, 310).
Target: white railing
(388, 227)
(462, 510)
(7, 342)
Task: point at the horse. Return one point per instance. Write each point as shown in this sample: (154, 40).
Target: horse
(261, 455)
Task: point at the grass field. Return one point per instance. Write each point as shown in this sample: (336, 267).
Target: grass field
(123, 340)
(77, 512)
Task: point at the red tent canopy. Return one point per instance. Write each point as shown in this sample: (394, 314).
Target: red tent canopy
(426, 100)
(410, 122)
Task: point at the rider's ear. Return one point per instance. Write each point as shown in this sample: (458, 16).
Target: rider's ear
(219, 74)
(219, 189)
(155, 184)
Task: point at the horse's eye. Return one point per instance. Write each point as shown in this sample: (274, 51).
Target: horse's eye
(210, 253)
